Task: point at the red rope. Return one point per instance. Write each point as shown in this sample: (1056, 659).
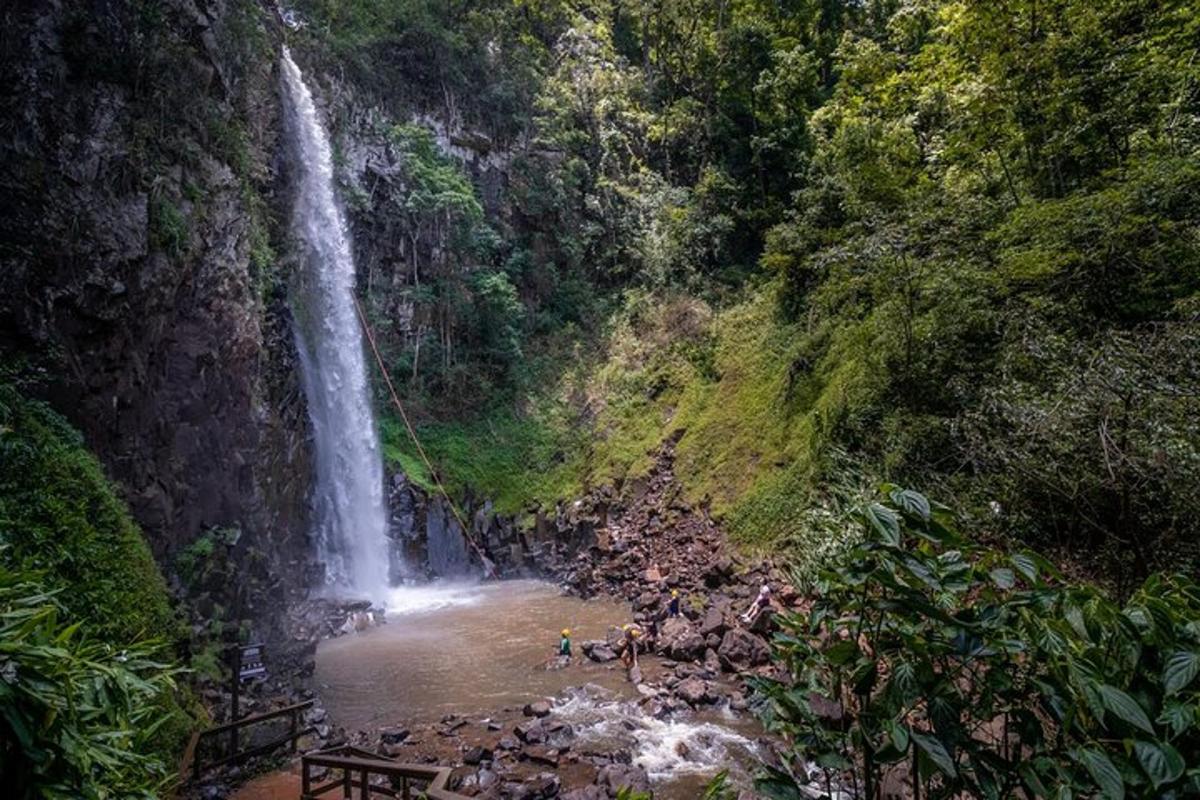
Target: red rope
(387, 379)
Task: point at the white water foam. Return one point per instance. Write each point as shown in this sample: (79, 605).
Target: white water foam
(426, 597)
(665, 748)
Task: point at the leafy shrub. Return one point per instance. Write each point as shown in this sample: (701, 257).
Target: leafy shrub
(60, 516)
(78, 718)
(984, 674)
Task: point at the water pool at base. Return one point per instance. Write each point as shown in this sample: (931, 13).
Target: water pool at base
(478, 649)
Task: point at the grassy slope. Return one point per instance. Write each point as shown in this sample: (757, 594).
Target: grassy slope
(750, 445)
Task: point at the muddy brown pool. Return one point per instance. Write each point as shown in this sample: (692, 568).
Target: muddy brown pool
(479, 649)
(463, 649)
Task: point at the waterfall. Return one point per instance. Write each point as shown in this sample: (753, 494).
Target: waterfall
(351, 515)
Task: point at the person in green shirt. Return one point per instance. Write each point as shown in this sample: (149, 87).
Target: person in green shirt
(564, 645)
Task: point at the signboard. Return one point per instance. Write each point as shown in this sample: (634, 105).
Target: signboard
(250, 662)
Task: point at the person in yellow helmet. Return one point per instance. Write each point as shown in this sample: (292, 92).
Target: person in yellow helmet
(673, 605)
(564, 644)
(629, 654)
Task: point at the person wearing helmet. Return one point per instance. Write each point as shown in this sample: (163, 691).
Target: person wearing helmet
(564, 644)
(673, 605)
(630, 640)
(762, 601)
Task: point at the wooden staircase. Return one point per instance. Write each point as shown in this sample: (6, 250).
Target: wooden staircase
(357, 769)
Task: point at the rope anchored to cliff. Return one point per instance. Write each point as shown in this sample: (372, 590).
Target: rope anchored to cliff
(488, 566)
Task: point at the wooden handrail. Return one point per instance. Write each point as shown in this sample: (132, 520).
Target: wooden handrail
(192, 757)
(254, 718)
(351, 760)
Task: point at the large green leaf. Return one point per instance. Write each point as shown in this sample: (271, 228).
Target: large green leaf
(1003, 577)
(885, 522)
(1125, 707)
(1181, 670)
(1177, 716)
(932, 747)
(1162, 762)
(1103, 772)
(912, 502)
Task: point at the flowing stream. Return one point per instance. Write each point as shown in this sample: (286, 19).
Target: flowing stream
(350, 513)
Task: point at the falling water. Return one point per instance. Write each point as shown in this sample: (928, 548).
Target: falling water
(351, 517)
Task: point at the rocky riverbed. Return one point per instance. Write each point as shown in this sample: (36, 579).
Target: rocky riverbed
(638, 545)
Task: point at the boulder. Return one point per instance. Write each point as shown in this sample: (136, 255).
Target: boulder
(740, 648)
(713, 623)
(538, 708)
(616, 777)
(531, 732)
(543, 786)
(647, 601)
(692, 690)
(598, 650)
(712, 662)
(679, 640)
(592, 792)
(718, 572)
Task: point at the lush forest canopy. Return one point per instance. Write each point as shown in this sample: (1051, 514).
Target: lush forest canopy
(948, 243)
(821, 244)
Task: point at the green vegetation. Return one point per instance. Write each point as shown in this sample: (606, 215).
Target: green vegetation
(63, 528)
(60, 516)
(79, 718)
(967, 670)
(940, 243)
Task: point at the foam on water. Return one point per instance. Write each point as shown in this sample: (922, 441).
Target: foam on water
(665, 748)
(423, 598)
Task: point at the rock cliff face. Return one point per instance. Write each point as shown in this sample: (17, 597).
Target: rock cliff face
(137, 276)
(144, 267)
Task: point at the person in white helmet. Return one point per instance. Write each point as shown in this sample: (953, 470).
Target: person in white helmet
(761, 602)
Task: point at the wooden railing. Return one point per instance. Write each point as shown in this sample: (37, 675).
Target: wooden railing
(358, 767)
(194, 762)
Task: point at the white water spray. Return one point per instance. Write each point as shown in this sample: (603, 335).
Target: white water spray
(351, 516)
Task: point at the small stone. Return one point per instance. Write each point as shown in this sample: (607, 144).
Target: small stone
(547, 756)
(475, 755)
(393, 735)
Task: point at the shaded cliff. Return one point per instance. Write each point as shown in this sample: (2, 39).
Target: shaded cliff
(139, 287)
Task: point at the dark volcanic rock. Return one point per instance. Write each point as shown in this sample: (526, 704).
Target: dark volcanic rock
(740, 648)
(713, 623)
(586, 793)
(615, 777)
(475, 755)
(680, 640)
(547, 756)
(393, 735)
(693, 690)
(538, 708)
(599, 650)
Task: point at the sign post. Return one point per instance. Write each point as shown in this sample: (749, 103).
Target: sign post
(247, 665)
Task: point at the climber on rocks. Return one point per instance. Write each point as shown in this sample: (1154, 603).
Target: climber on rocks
(761, 603)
